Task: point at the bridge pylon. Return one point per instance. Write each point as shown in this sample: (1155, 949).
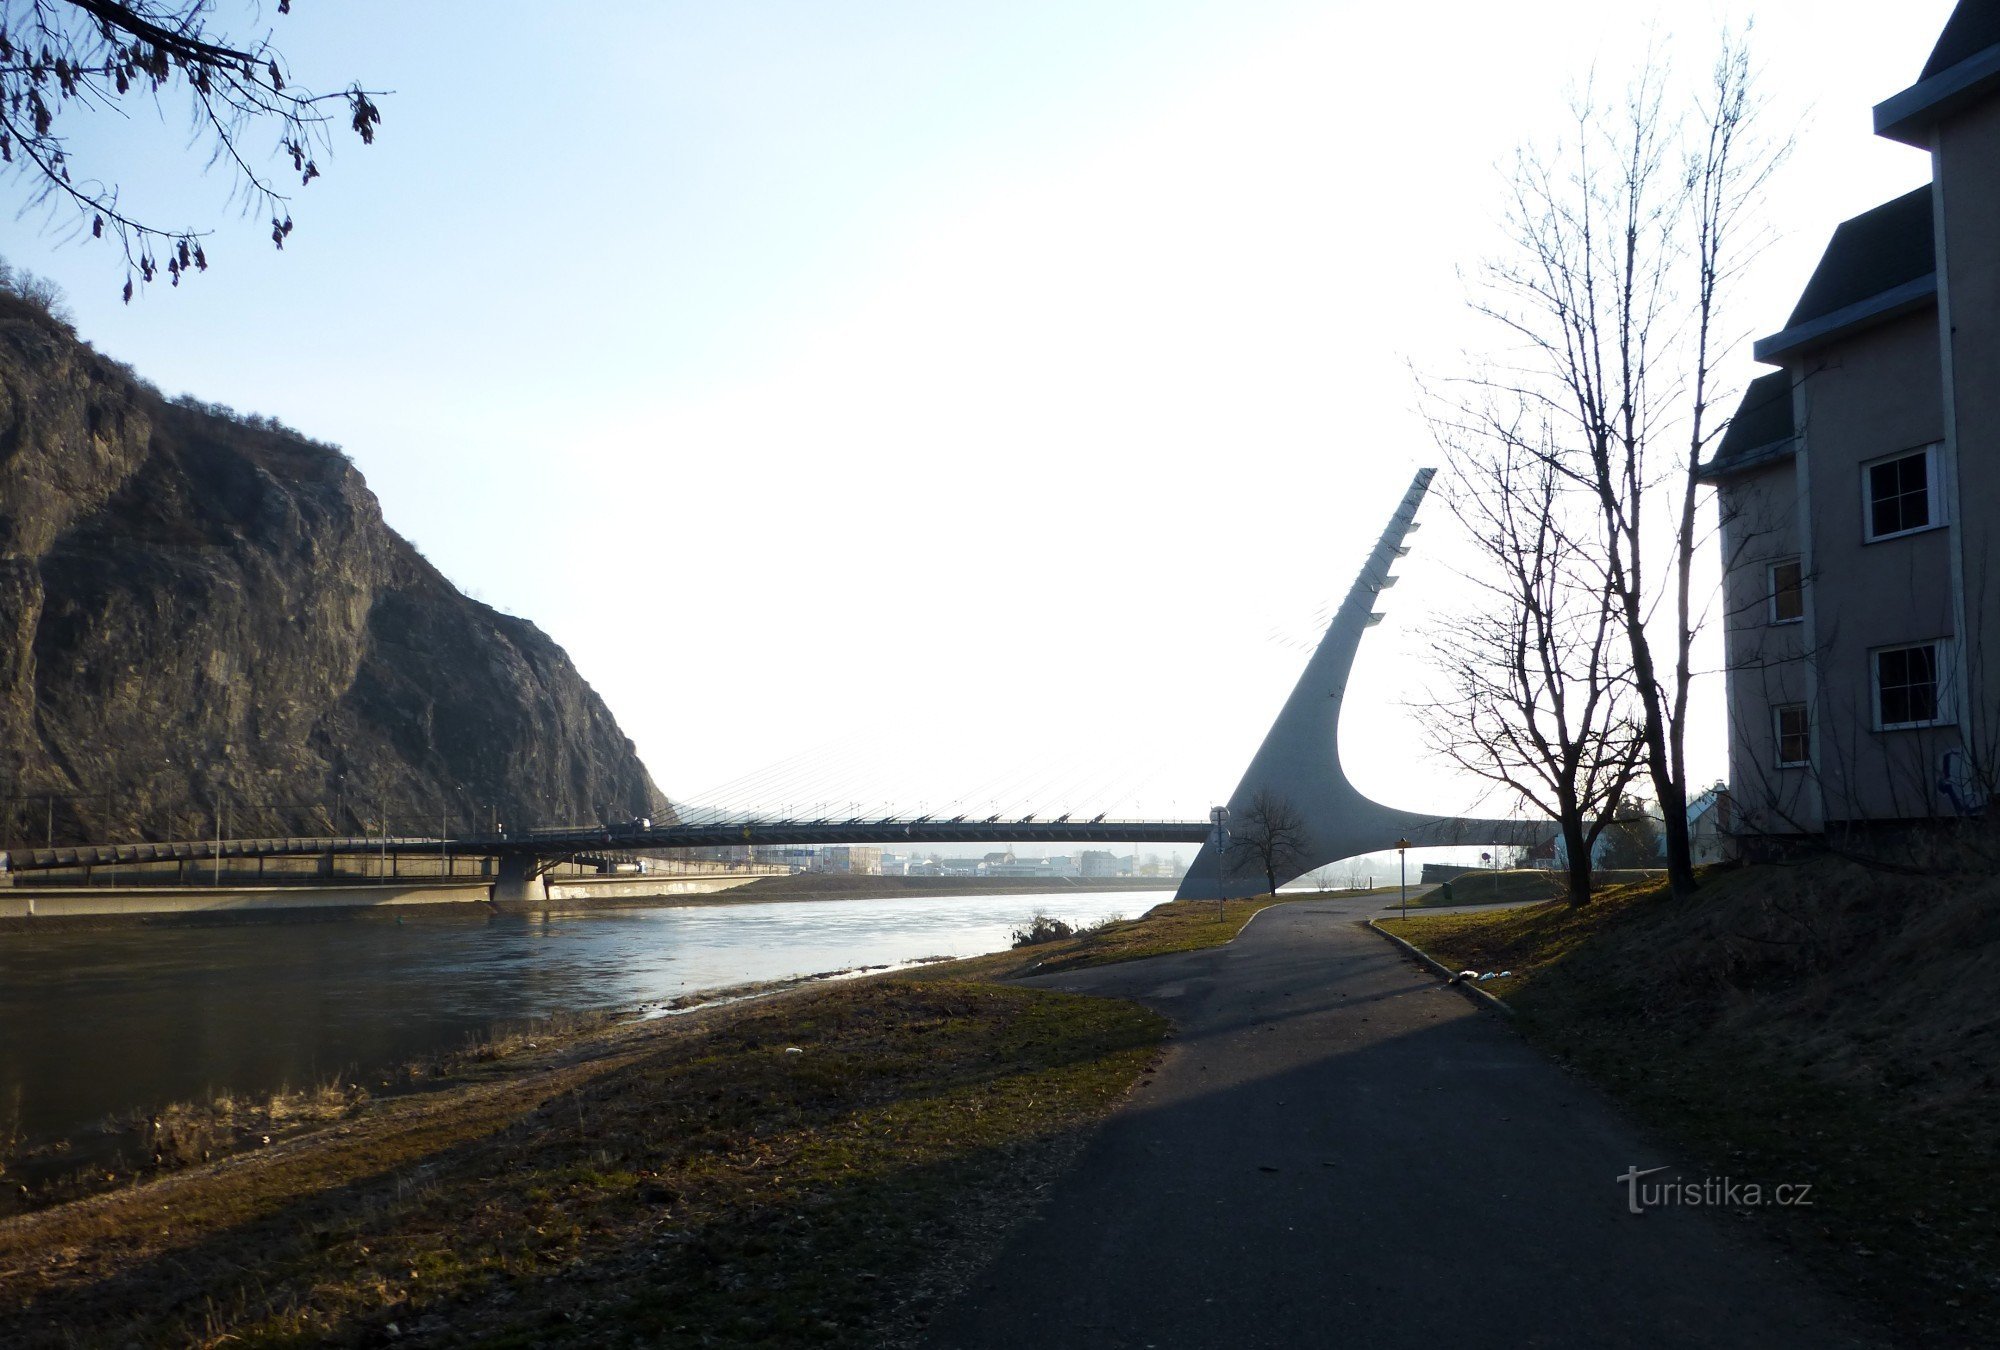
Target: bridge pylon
(1299, 761)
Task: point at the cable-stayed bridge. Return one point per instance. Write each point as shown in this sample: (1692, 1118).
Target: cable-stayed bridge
(1297, 765)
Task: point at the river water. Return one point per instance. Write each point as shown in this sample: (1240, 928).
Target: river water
(98, 1022)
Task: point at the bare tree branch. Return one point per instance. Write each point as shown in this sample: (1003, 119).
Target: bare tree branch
(1624, 239)
(61, 59)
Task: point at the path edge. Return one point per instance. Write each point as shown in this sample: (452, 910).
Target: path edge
(1480, 997)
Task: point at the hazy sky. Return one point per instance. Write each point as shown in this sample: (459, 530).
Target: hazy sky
(992, 394)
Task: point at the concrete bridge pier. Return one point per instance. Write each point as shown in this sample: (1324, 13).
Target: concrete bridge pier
(520, 884)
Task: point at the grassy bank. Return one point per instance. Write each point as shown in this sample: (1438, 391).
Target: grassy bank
(1819, 1024)
(1515, 887)
(803, 1171)
(1176, 926)
(815, 1168)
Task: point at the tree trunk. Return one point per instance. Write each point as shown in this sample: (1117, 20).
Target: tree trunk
(1578, 850)
(1670, 793)
(1674, 831)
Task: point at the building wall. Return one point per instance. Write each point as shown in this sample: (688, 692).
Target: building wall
(1761, 511)
(1874, 393)
(1964, 154)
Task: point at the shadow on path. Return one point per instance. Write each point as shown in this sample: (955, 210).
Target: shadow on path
(1338, 1150)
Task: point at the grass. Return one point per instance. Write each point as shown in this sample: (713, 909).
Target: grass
(1515, 886)
(1820, 1024)
(802, 1171)
(1175, 926)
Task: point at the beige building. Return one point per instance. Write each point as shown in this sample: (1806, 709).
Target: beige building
(1860, 491)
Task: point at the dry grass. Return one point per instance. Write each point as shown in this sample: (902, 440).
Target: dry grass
(800, 1171)
(1821, 1022)
(1516, 886)
(1176, 926)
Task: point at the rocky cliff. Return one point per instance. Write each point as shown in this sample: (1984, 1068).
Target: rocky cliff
(202, 614)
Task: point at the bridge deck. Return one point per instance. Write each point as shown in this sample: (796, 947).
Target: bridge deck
(570, 842)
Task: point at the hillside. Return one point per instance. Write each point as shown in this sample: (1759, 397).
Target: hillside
(1825, 1023)
(202, 610)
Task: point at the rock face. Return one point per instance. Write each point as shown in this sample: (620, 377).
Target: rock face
(202, 614)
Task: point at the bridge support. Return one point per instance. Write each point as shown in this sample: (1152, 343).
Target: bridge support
(1299, 762)
(520, 884)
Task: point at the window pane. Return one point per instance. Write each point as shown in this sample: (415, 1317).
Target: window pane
(1794, 740)
(1882, 499)
(1906, 680)
(1787, 600)
(1916, 506)
(1923, 703)
(1923, 685)
(1899, 495)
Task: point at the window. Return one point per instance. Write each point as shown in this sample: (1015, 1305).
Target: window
(1788, 598)
(1794, 735)
(1898, 495)
(1908, 687)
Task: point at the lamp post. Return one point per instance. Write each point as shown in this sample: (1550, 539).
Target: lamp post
(1219, 818)
(1403, 859)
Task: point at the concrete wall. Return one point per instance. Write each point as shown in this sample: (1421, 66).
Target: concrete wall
(24, 903)
(642, 887)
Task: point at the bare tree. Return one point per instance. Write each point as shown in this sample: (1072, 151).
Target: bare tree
(1271, 832)
(63, 58)
(1537, 696)
(1624, 243)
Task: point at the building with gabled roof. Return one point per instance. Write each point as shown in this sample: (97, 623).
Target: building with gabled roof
(1859, 488)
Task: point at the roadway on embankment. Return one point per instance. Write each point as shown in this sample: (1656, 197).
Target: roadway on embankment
(1339, 1150)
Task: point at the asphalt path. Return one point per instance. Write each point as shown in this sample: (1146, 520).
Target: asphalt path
(1339, 1150)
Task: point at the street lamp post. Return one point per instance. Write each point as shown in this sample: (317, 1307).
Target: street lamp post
(1403, 859)
(1219, 818)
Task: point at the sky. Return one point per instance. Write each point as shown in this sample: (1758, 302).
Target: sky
(949, 405)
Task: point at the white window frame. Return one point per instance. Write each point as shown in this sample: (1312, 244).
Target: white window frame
(1778, 710)
(1933, 494)
(1771, 590)
(1941, 658)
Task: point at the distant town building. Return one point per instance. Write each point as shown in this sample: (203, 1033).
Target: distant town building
(859, 859)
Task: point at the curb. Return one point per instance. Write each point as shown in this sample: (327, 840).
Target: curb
(1480, 997)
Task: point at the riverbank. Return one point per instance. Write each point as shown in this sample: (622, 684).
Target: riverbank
(1818, 1025)
(846, 886)
(25, 908)
(817, 1167)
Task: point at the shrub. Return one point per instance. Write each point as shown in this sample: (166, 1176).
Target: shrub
(1042, 928)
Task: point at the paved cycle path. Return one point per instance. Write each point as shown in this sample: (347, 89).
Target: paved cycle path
(1337, 1150)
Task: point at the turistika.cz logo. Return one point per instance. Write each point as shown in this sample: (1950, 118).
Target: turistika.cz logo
(1710, 1192)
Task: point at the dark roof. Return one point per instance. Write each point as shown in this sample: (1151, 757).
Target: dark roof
(1972, 28)
(1876, 251)
(1964, 70)
(1761, 429)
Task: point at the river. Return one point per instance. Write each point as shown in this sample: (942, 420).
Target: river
(96, 1022)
